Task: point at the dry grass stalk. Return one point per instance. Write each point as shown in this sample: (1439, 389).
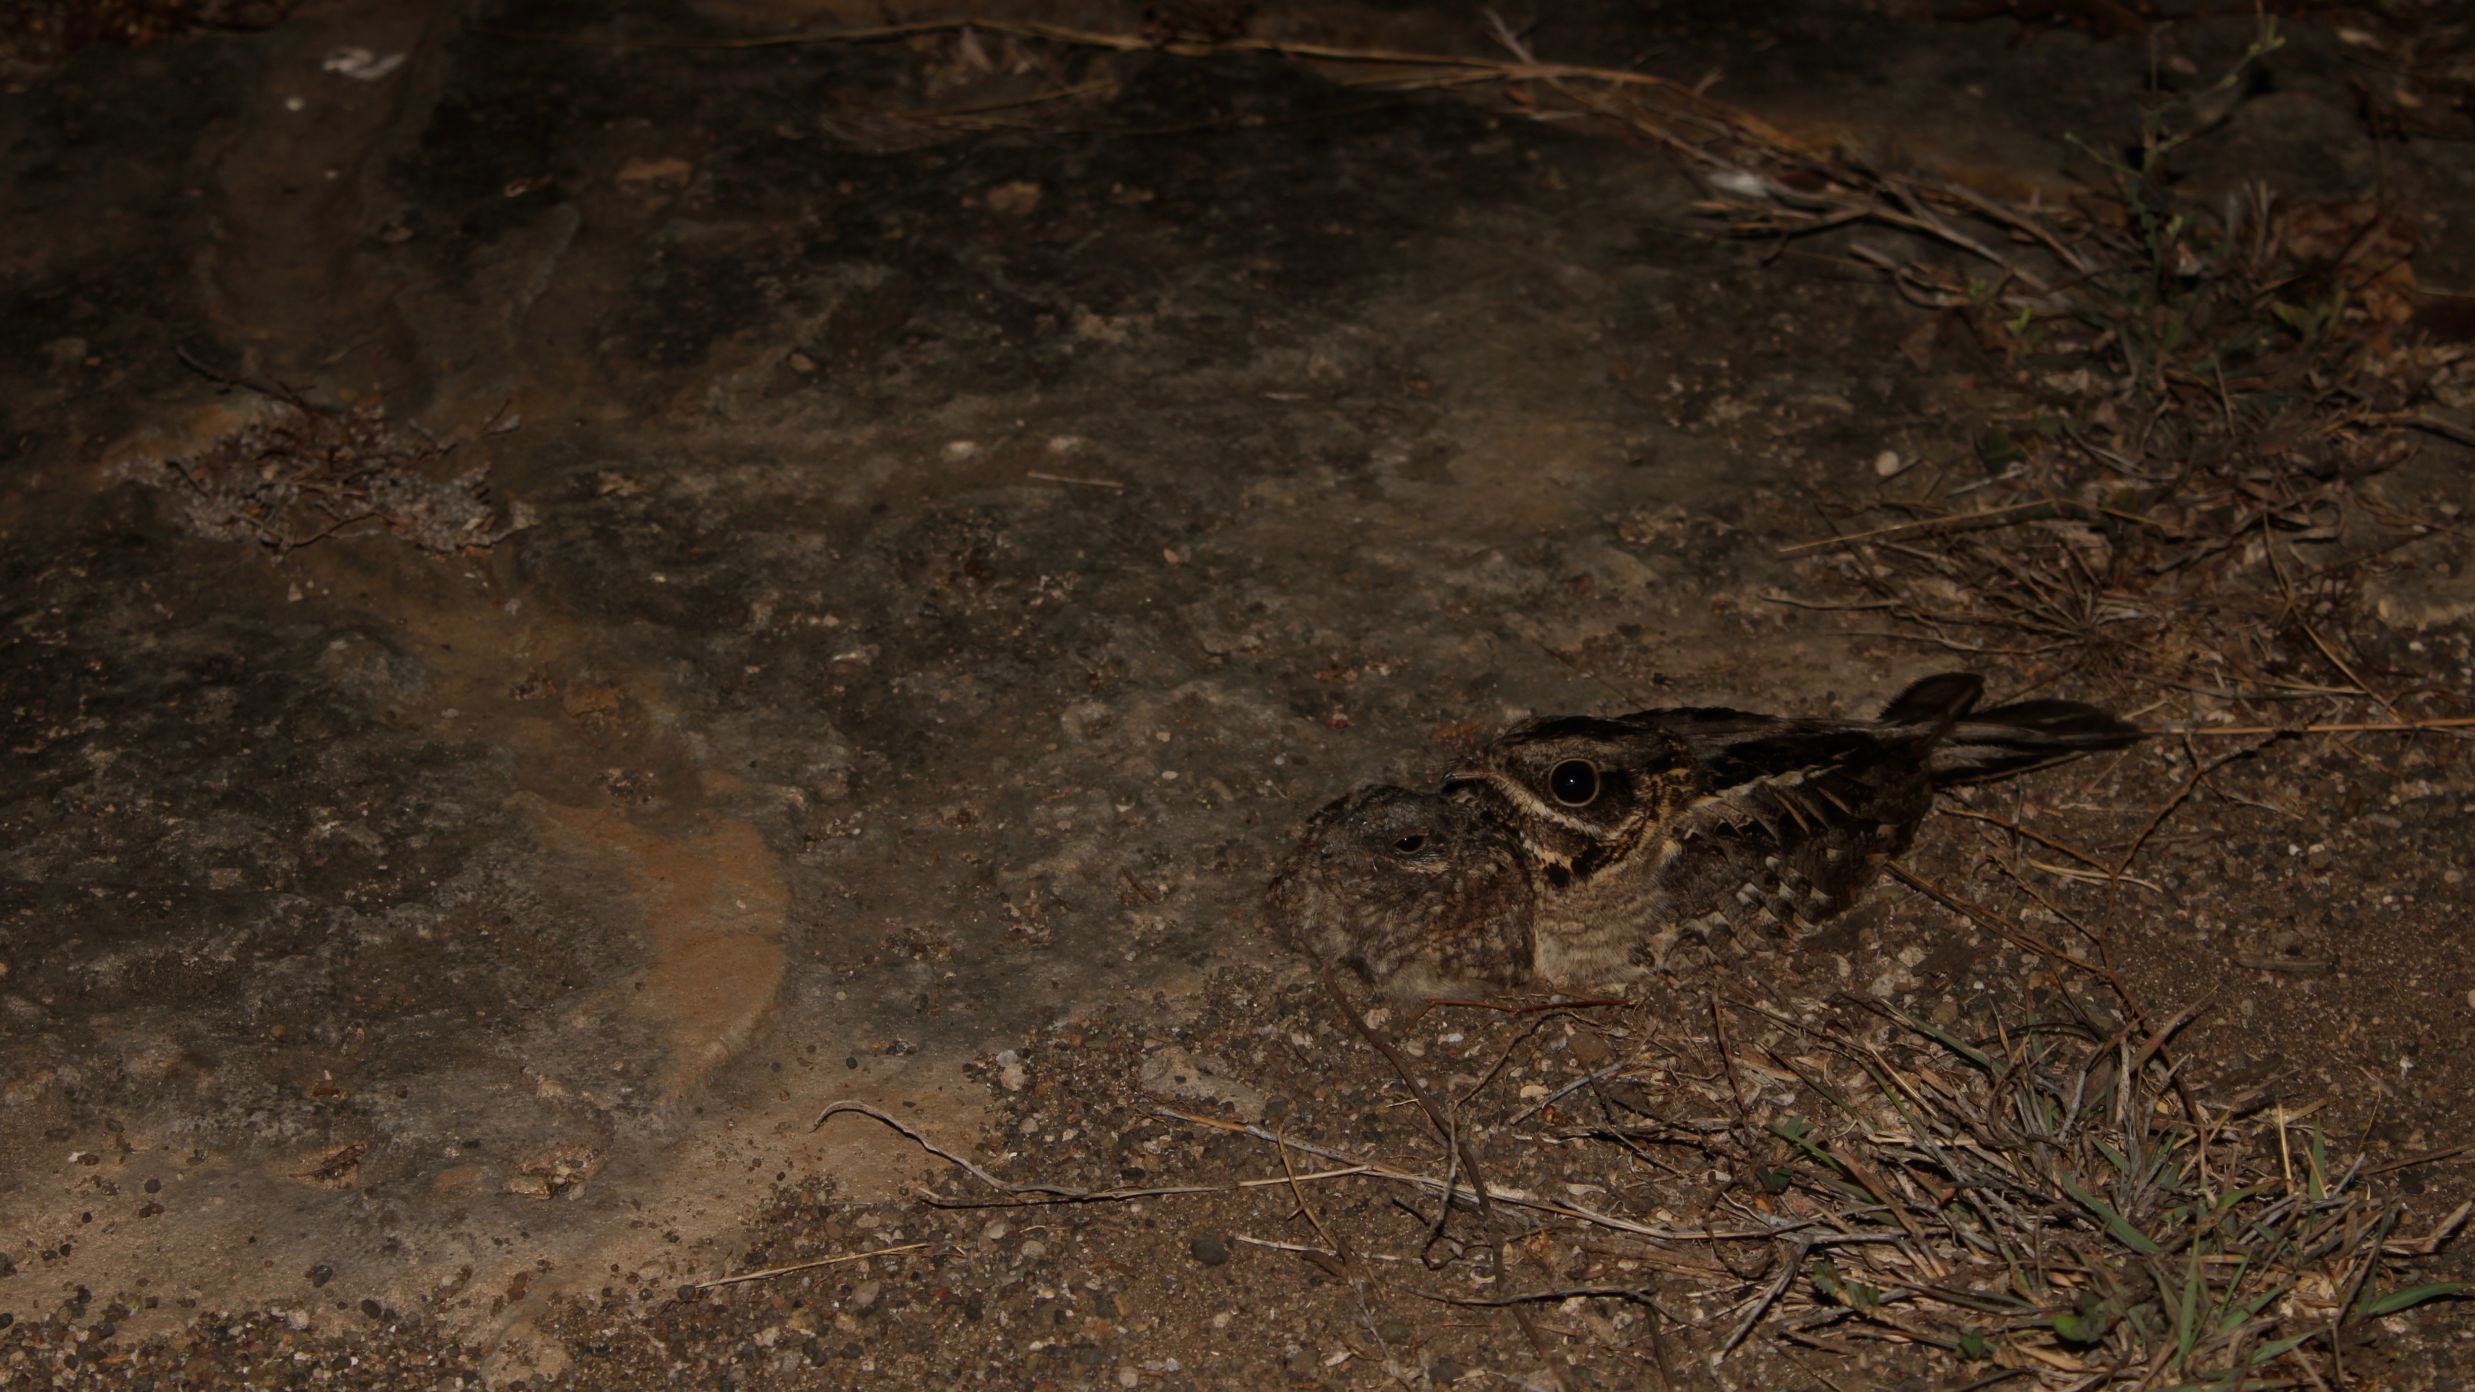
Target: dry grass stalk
(2037, 1198)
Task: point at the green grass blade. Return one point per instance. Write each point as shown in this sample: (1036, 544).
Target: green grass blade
(2279, 1348)
(1794, 1130)
(1944, 1038)
(2187, 1312)
(2238, 1315)
(2410, 1297)
(2115, 1223)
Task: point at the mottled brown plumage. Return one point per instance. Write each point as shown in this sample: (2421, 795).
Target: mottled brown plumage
(1415, 892)
(1605, 839)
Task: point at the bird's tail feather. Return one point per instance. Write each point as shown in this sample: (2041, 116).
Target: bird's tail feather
(1936, 701)
(2025, 735)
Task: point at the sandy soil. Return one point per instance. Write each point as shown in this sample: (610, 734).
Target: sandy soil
(862, 601)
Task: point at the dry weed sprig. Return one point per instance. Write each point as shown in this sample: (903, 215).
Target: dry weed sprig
(2034, 1198)
(297, 474)
(2035, 1201)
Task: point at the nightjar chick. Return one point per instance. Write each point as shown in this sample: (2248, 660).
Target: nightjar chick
(1416, 893)
(1638, 828)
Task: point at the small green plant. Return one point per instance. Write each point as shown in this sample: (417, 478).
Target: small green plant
(2174, 293)
(2048, 1198)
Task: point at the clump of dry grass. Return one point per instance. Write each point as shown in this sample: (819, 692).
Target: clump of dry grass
(2172, 497)
(298, 474)
(2166, 496)
(2041, 1204)
(2044, 1198)
(2033, 1199)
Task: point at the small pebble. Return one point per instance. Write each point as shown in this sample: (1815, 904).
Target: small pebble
(1208, 1249)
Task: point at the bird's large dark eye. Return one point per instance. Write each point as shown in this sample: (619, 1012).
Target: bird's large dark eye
(1411, 844)
(1574, 782)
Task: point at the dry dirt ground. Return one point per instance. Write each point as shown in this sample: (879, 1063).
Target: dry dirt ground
(776, 601)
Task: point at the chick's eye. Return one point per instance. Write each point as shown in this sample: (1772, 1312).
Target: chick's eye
(1574, 782)
(1411, 844)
